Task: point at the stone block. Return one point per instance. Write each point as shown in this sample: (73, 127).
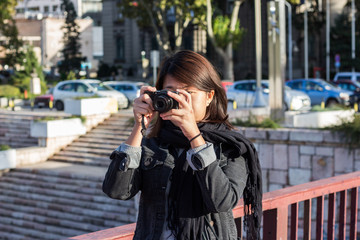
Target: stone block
(331, 137)
(305, 161)
(280, 156)
(357, 166)
(357, 154)
(298, 176)
(277, 176)
(281, 134)
(322, 167)
(266, 156)
(310, 150)
(265, 181)
(325, 151)
(293, 151)
(344, 160)
(273, 187)
(255, 133)
(306, 136)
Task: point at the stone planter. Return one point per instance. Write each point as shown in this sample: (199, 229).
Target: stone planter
(90, 106)
(318, 119)
(7, 159)
(57, 128)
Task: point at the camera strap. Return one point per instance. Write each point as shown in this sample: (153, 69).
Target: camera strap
(143, 128)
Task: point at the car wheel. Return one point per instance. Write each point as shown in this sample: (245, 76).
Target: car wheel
(59, 105)
(331, 103)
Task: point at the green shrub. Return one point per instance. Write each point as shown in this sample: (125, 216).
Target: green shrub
(9, 91)
(252, 122)
(349, 131)
(4, 147)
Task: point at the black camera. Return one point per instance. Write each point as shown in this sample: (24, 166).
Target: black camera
(163, 102)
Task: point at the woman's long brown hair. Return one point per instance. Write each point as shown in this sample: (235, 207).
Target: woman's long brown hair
(193, 69)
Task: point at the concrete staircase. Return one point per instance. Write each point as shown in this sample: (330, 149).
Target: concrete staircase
(62, 197)
(15, 130)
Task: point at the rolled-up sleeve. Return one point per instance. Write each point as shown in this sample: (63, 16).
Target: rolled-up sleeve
(133, 155)
(201, 157)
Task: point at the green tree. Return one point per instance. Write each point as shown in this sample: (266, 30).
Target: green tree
(14, 54)
(225, 34)
(167, 18)
(30, 66)
(7, 9)
(340, 42)
(72, 56)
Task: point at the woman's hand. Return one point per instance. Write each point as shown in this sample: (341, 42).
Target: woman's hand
(142, 106)
(183, 117)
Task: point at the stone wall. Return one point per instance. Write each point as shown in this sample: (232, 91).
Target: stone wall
(293, 156)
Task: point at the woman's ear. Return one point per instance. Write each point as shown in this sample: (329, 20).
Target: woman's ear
(209, 97)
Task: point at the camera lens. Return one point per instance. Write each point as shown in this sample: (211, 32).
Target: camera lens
(163, 103)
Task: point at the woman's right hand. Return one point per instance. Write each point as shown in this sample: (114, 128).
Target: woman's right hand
(142, 106)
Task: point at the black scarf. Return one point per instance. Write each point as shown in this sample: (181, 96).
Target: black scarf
(187, 208)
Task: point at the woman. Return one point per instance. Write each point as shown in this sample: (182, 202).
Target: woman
(191, 167)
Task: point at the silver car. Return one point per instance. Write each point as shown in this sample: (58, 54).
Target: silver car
(130, 89)
(243, 93)
(85, 88)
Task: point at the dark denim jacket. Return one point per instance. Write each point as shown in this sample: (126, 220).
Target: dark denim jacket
(225, 179)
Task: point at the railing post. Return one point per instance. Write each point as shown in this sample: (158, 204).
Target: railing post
(307, 219)
(276, 219)
(353, 212)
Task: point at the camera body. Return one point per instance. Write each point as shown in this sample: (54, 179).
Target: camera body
(162, 102)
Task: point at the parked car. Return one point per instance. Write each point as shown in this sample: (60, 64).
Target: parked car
(321, 91)
(85, 88)
(353, 76)
(243, 93)
(350, 86)
(130, 89)
(44, 100)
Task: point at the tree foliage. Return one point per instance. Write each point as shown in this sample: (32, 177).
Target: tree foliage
(167, 18)
(30, 66)
(14, 54)
(7, 9)
(225, 33)
(340, 42)
(72, 57)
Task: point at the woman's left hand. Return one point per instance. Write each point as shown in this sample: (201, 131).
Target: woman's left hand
(183, 117)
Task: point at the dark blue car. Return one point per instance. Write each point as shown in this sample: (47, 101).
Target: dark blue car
(321, 91)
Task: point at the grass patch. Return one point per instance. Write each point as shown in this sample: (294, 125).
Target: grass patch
(4, 147)
(318, 108)
(252, 122)
(52, 118)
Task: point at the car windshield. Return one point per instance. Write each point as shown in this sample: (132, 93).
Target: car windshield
(101, 87)
(328, 85)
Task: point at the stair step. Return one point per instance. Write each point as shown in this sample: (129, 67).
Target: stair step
(38, 230)
(79, 149)
(79, 207)
(79, 160)
(61, 215)
(102, 141)
(109, 147)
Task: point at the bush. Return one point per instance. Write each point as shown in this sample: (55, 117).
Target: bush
(349, 131)
(9, 91)
(4, 147)
(252, 122)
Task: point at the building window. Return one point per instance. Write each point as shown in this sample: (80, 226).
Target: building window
(120, 48)
(46, 9)
(55, 8)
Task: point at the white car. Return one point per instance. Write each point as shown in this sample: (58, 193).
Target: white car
(85, 88)
(130, 89)
(243, 93)
(353, 76)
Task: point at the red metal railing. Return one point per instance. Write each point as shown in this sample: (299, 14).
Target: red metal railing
(278, 223)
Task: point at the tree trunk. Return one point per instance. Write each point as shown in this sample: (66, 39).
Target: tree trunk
(229, 64)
